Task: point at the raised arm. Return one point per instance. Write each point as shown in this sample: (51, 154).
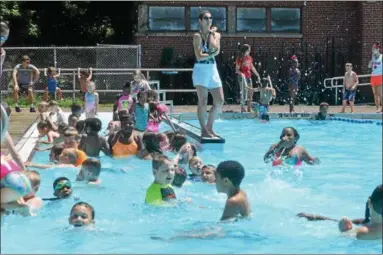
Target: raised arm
(90, 75)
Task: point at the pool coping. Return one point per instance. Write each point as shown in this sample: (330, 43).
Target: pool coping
(27, 144)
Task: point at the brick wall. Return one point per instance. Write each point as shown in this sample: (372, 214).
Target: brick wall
(319, 20)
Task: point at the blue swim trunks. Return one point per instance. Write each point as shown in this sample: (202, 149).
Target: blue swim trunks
(260, 109)
(349, 95)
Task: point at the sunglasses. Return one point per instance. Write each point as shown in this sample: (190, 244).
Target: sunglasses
(348, 65)
(63, 184)
(208, 18)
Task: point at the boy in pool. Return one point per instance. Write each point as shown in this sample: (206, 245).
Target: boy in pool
(323, 110)
(90, 171)
(71, 136)
(45, 129)
(62, 188)
(82, 214)
(161, 191)
(266, 95)
(92, 143)
(288, 152)
(208, 174)
(229, 175)
(195, 167)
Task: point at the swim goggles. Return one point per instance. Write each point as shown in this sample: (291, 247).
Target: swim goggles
(62, 184)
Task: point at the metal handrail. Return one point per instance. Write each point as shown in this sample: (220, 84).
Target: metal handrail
(333, 86)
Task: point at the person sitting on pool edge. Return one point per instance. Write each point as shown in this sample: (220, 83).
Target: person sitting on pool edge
(286, 151)
(90, 171)
(82, 214)
(229, 175)
(322, 114)
(161, 191)
(92, 143)
(125, 142)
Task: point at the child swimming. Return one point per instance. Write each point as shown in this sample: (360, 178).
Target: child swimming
(287, 152)
(82, 214)
(90, 171)
(195, 167)
(92, 143)
(161, 191)
(323, 110)
(76, 110)
(229, 176)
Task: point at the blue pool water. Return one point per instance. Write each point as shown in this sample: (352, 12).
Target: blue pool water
(351, 168)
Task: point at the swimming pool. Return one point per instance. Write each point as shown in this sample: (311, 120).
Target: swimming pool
(351, 168)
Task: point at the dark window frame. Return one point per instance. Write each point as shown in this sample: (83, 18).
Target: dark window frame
(166, 30)
(268, 21)
(236, 20)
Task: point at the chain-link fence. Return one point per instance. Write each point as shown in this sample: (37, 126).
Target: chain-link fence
(69, 59)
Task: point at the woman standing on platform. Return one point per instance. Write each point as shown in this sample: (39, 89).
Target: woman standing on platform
(205, 74)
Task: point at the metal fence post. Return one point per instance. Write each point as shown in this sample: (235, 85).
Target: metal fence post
(74, 85)
(139, 56)
(55, 57)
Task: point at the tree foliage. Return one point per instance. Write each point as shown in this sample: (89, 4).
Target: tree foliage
(69, 23)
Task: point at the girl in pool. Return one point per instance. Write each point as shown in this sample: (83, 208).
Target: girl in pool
(287, 151)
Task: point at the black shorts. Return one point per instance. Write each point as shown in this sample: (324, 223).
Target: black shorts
(23, 88)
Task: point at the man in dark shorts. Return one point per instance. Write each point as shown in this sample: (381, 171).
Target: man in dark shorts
(25, 76)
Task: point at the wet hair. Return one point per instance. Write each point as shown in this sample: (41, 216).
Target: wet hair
(202, 14)
(59, 180)
(323, 104)
(176, 139)
(159, 160)
(70, 132)
(44, 124)
(180, 176)
(376, 199)
(296, 134)
(57, 149)
(34, 177)
(24, 58)
(4, 28)
(86, 205)
(80, 126)
(194, 158)
(233, 170)
(123, 114)
(62, 127)
(94, 123)
(209, 166)
(75, 107)
(152, 142)
(7, 108)
(94, 165)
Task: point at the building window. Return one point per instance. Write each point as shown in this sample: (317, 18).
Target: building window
(286, 20)
(166, 18)
(218, 14)
(251, 20)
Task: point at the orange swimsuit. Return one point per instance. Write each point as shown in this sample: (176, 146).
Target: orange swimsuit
(81, 157)
(124, 150)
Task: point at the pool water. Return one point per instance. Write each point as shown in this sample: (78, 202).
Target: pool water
(351, 168)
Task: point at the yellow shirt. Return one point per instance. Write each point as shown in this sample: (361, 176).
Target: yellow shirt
(157, 193)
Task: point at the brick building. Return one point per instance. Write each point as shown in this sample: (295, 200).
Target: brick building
(346, 28)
